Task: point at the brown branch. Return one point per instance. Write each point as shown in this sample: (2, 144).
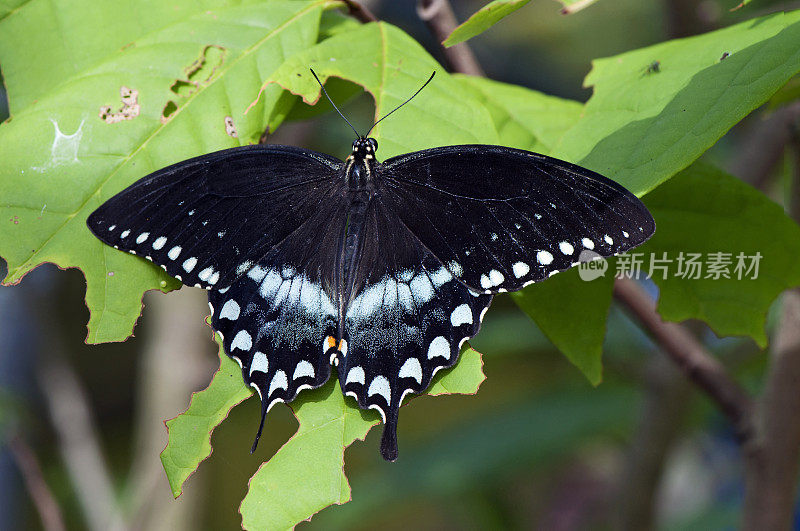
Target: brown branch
(40, 493)
(360, 12)
(705, 371)
(438, 15)
(771, 473)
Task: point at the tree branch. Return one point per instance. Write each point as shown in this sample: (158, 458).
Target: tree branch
(705, 371)
(438, 15)
(360, 12)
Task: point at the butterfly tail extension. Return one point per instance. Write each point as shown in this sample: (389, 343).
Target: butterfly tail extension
(389, 449)
(264, 407)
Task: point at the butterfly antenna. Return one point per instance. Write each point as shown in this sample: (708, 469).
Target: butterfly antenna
(334, 105)
(409, 99)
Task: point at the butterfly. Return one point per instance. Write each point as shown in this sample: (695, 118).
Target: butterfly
(382, 270)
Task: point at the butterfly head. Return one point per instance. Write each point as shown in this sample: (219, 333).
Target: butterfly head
(364, 148)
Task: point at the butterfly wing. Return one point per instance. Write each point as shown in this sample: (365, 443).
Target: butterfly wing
(275, 319)
(407, 319)
(501, 218)
(207, 220)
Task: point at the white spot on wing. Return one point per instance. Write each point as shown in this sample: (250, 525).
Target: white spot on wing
(520, 269)
(242, 341)
(303, 369)
(496, 277)
(608, 239)
(159, 242)
(205, 274)
(566, 248)
(278, 382)
(544, 258)
(589, 244)
(230, 310)
(356, 375)
(439, 347)
(461, 315)
(142, 237)
(174, 252)
(124, 234)
(189, 264)
(259, 363)
(411, 369)
(244, 266)
(380, 386)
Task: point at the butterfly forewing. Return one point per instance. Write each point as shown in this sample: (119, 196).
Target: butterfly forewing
(407, 319)
(500, 218)
(208, 219)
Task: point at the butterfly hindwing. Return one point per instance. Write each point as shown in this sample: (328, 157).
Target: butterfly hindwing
(206, 220)
(407, 320)
(500, 218)
(276, 318)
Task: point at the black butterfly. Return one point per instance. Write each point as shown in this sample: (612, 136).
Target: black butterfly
(381, 269)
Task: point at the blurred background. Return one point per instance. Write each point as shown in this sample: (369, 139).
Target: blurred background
(537, 448)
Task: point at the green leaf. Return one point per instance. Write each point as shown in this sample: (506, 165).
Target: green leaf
(641, 127)
(704, 210)
(524, 118)
(572, 313)
(314, 457)
(392, 66)
(483, 19)
(190, 432)
(573, 6)
(61, 160)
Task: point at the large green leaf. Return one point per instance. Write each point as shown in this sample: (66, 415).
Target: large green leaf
(704, 210)
(483, 19)
(640, 126)
(391, 66)
(61, 161)
(314, 456)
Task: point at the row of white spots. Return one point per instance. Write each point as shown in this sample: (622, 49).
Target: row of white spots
(390, 292)
(493, 279)
(286, 285)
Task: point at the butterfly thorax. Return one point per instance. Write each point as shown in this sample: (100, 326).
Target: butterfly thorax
(359, 168)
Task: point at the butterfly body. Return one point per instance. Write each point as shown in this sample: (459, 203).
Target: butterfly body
(382, 270)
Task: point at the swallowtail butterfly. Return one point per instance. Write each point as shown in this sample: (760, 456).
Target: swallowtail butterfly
(382, 270)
